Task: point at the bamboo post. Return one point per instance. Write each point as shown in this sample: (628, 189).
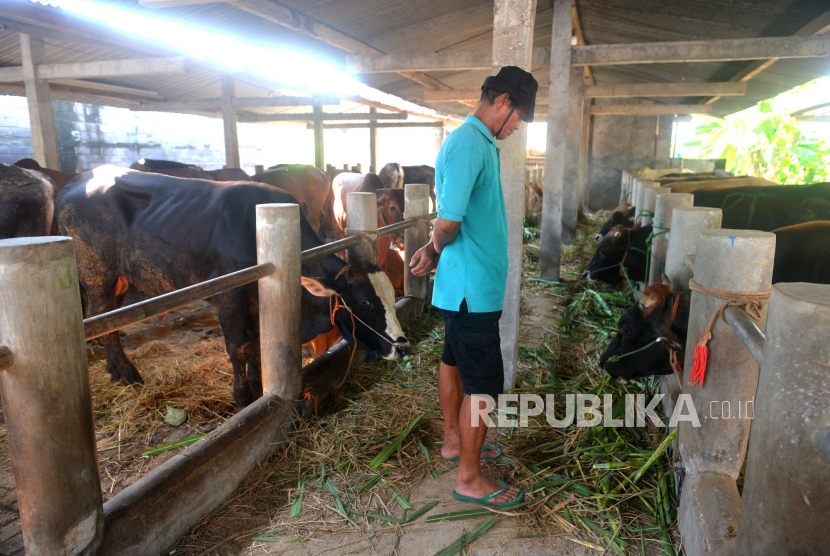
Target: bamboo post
(278, 242)
(362, 219)
(46, 398)
(416, 203)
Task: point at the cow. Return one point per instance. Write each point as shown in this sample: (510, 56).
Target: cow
(621, 246)
(311, 187)
(801, 255)
(623, 216)
(182, 170)
(162, 234)
(59, 179)
(390, 210)
(393, 175)
(27, 203)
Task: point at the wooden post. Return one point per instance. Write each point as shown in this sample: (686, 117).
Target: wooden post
(319, 150)
(373, 142)
(259, 168)
(571, 198)
(416, 203)
(362, 217)
(229, 123)
(278, 242)
(512, 46)
(585, 143)
(46, 398)
(550, 245)
(41, 118)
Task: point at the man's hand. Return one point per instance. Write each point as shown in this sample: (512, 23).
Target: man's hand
(424, 260)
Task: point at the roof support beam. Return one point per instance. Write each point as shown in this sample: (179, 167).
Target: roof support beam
(606, 54)
(818, 26)
(107, 68)
(649, 109)
(229, 119)
(378, 125)
(323, 117)
(700, 51)
(610, 91)
(41, 117)
(238, 103)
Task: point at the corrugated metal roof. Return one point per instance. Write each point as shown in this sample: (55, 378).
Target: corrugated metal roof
(395, 26)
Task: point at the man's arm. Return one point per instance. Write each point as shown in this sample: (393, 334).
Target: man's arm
(425, 259)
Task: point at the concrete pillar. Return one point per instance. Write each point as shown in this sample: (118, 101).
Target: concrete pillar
(623, 186)
(278, 242)
(373, 142)
(362, 216)
(550, 245)
(666, 203)
(712, 454)
(319, 150)
(41, 118)
(650, 202)
(416, 203)
(46, 398)
(513, 22)
(785, 504)
(686, 225)
(229, 123)
(639, 192)
(259, 168)
(585, 144)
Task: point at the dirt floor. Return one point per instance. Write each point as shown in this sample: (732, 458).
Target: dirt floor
(350, 481)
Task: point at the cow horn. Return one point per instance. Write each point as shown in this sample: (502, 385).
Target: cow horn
(646, 301)
(617, 233)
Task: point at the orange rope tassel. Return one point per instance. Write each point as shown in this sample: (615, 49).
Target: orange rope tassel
(701, 356)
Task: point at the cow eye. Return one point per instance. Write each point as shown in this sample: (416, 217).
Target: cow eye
(365, 303)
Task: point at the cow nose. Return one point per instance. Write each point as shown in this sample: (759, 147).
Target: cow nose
(586, 274)
(402, 349)
(597, 237)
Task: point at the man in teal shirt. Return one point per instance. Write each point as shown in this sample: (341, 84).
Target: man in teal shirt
(469, 243)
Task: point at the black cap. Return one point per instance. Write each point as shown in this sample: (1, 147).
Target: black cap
(519, 84)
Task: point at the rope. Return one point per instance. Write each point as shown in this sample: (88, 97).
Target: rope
(370, 237)
(751, 302)
(420, 218)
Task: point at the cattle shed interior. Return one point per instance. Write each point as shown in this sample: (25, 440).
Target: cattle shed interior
(614, 76)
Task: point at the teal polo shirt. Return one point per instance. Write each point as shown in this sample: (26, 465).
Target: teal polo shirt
(468, 189)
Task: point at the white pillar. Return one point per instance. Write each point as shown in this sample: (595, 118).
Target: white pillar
(512, 46)
(41, 118)
(229, 121)
(373, 143)
(550, 246)
(319, 151)
(362, 217)
(416, 203)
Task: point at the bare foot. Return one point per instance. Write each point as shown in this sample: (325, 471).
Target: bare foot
(452, 449)
(482, 486)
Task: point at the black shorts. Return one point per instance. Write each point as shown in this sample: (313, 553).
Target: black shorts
(472, 343)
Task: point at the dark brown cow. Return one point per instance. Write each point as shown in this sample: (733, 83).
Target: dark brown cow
(390, 210)
(311, 188)
(58, 178)
(188, 171)
(393, 175)
(27, 203)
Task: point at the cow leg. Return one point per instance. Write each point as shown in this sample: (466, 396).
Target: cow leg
(102, 300)
(232, 309)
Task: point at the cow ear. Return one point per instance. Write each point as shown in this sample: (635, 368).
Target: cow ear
(321, 287)
(666, 280)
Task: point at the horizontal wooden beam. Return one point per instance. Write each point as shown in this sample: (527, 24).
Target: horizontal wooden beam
(605, 54)
(257, 118)
(105, 87)
(239, 103)
(106, 68)
(700, 51)
(813, 119)
(608, 91)
(649, 109)
(429, 61)
(379, 125)
(665, 90)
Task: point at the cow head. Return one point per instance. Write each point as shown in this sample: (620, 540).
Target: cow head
(643, 323)
(616, 218)
(390, 206)
(605, 264)
(367, 291)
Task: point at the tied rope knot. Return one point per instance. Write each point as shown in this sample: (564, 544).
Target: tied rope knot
(751, 302)
(369, 237)
(420, 218)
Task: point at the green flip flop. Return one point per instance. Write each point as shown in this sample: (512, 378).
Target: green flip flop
(485, 500)
(484, 448)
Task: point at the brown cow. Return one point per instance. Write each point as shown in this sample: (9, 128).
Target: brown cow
(312, 189)
(58, 178)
